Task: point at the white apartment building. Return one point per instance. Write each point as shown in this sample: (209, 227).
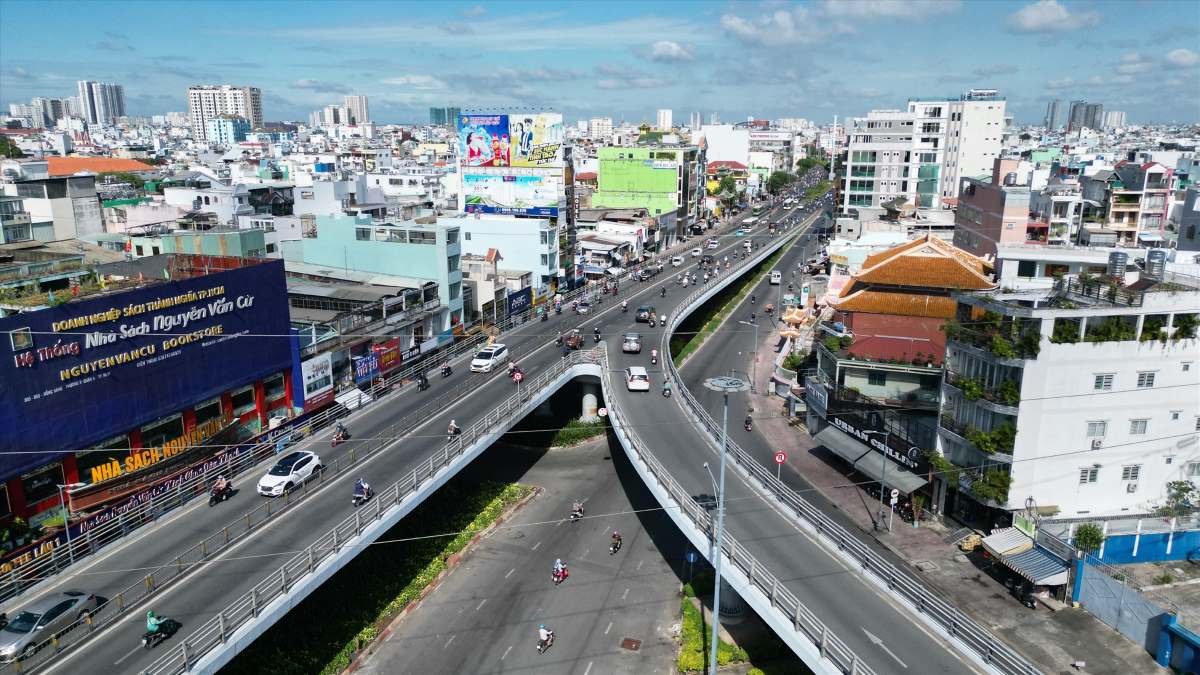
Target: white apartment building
(922, 153)
(102, 102)
(208, 101)
(524, 243)
(358, 109)
(664, 121)
(1084, 393)
(600, 128)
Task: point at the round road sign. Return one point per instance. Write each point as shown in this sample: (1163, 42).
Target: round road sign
(518, 376)
(780, 457)
(603, 412)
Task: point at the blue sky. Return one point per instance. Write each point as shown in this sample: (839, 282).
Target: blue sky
(624, 59)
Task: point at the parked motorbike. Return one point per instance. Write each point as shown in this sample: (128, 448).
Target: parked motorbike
(166, 628)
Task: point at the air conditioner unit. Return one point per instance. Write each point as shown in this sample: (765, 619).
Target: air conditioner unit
(1131, 487)
(1097, 443)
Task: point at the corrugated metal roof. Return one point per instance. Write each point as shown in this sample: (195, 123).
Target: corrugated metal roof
(356, 293)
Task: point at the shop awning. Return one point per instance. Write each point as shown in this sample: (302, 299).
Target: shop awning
(353, 398)
(1150, 236)
(868, 461)
(1038, 565)
(841, 444)
(1007, 541)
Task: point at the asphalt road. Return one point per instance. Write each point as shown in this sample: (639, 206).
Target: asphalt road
(484, 616)
(230, 574)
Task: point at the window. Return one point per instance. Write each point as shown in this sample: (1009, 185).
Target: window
(467, 236)
(1192, 469)
(362, 234)
(451, 237)
(270, 248)
(1104, 382)
(1175, 414)
(1027, 269)
(1145, 380)
(876, 378)
(166, 429)
(208, 410)
(1138, 427)
(1089, 475)
(545, 260)
(137, 250)
(243, 401)
(274, 387)
(455, 289)
(1131, 472)
(1187, 365)
(1097, 429)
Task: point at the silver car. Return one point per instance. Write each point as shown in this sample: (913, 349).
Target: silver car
(42, 620)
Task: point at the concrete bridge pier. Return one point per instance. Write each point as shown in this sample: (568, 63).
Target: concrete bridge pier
(733, 608)
(590, 402)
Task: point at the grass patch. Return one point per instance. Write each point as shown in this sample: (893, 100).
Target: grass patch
(577, 431)
(347, 612)
(693, 653)
(717, 314)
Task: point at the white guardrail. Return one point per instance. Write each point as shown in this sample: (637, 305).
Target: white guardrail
(945, 616)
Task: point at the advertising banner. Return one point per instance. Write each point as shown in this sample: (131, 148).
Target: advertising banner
(531, 140)
(389, 355)
(318, 380)
(483, 140)
(512, 193)
(366, 368)
(519, 301)
(82, 372)
(537, 139)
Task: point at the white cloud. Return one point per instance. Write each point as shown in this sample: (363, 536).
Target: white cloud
(1182, 58)
(995, 69)
(1133, 63)
(476, 10)
(1063, 83)
(667, 51)
(631, 83)
(1047, 16)
(783, 26)
(423, 82)
(889, 9)
(318, 85)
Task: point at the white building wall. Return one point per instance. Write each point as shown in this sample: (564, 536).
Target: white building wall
(726, 143)
(524, 243)
(1058, 399)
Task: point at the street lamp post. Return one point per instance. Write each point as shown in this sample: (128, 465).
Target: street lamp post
(67, 516)
(754, 363)
(882, 482)
(725, 385)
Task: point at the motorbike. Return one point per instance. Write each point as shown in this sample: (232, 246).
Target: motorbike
(596, 338)
(166, 628)
(663, 292)
(422, 383)
(544, 317)
(558, 309)
(747, 425)
(666, 392)
(614, 547)
(339, 437)
(654, 359)
(450, 436)
(360, 498)
(447, 371)
(624, 308)
(559, 577)
(543, 645)
(576, 515)
(215, 495)
(652, 323)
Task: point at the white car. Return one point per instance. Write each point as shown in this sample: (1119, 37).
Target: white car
(637, 379)
(677, 260)
(696, 252)
(290, 471)
(489, 357)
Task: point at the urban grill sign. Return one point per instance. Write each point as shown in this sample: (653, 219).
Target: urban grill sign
(909, 456)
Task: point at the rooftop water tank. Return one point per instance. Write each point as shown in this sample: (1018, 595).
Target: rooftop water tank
(1156, 263)
(1116, 264)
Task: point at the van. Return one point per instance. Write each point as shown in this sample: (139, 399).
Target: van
(776, 277)
(489, 357)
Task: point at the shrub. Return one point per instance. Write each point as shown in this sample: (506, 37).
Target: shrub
(1089, 537)
(576, 431)
(971, 388)
(1185, 326)
(833, 344)
(994, 486)
(1066, 331)
(1009, 392)
(1163, 579)
(1002, 347)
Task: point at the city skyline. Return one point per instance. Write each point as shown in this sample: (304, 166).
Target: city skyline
(729, 59)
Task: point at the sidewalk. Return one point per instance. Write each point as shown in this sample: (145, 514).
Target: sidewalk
(1053, 640)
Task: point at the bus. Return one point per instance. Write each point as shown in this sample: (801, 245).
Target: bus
(758, 210)
(749, 222)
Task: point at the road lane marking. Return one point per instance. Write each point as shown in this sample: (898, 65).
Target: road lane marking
(879, 643)
(448, 642)
(510, 573)
(588, 669)
(609, 628)
(585, 552)
(625, 594)
(506, 651)
(130, 653)
(535, 546)
(480, 605)
(639, 567)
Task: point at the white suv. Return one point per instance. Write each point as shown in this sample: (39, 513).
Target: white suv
(489, 357)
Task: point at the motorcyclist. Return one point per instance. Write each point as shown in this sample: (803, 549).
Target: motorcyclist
(422, 381)
(221, 484)
(616, 539)
(361, 488)
(663, 292)
(577, 509)
(339, 429)
(596, 332)
(453, 428)
(153, 622)
(748, 422)
(543, 635)
(559, 568)
(753, 300)
(624, 305)
(666, 387)
(654, 354)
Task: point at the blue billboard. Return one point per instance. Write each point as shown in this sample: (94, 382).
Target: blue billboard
(78, 374)
(519, 301)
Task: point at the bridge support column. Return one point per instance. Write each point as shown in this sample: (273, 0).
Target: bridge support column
(733, 608)
(590, 403)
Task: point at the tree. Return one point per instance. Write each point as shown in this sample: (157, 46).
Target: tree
(777, 180)
(9, 149)
(1089, 537)
(728, 190)
(122, 177)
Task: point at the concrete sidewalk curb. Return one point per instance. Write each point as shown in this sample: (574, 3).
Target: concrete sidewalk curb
(452, 562)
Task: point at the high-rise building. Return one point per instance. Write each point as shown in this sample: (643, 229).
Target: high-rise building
(1051, 120)
(664, 119)
(714, 118)
(226, 130)
(207, 101)
(1077, 115)
(314, 119)
(922, 153)
(1093, 116)
(695, 123)
(437, 116)
(1114, 119)
(47, 111)
(24, 112)
(101, 102)
(73, 107)
(600, 128)
(358, 109)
